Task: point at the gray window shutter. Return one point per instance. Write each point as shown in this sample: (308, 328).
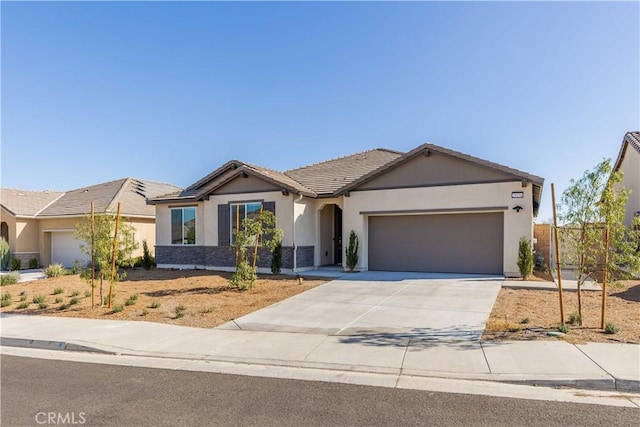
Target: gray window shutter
(269, 206)
(224, 226)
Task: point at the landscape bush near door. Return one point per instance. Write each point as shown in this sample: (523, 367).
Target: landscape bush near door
(525, 258)
(352, 251)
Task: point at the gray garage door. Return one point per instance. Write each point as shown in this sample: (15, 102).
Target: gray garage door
(452, 243)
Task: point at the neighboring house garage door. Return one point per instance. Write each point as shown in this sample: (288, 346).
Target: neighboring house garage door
(65, 248)
(452, 243)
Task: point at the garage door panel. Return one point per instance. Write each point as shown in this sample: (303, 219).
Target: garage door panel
(460, 243)
(65, 249)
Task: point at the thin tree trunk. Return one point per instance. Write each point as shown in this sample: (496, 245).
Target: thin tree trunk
(113, 257)
(257, 242)
(580, 277)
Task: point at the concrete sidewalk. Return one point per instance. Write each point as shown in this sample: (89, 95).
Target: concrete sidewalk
(547, 363)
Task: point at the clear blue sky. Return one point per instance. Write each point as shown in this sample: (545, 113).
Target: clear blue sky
(93, 92)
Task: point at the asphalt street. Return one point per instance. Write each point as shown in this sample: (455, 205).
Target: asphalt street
(51, 392)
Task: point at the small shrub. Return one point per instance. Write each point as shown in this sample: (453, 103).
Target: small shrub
(74, 293)
(276, 259)
(134, 297)
(105, 300)
(77, 267)
(525, 257)
(57, 291)
(525, 321)
(563, 328)
(23, 296)
(39, 299)
(6, 299)
(23, 305)
(87, 294)
(180, 311)
(33, 263)
(5, 254)
(117, 308)
(154, 304)
(16, 264)
(58, 300)
(574, 318)
(9, 279)
(130, 301)
(54, 270)
(611, 328)
(43, 305)
(207, 310)
(352, 251)
(148, 260)
(63, 307)
(144, 312)
(74, 301)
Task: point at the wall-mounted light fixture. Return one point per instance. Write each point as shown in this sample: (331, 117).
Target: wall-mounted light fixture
(426, 152)
(517, 194)
(244, 174)
(525, 183)
(284, 192)
(347, 194)
(517, 208)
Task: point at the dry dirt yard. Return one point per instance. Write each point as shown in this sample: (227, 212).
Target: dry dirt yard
(542, 309)
(203, 297)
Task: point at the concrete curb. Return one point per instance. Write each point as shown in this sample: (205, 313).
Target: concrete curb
(602, 384)
(53, 345)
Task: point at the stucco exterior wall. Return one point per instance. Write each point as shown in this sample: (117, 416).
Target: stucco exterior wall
(26, 235)
(630, 167)
(305, 217)
(481, 196)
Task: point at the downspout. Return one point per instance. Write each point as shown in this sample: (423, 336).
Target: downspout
(293, 235)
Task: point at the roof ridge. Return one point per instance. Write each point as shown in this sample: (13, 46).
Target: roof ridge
(33, 191)
(50, 203)
(115, 198)
(343, 157)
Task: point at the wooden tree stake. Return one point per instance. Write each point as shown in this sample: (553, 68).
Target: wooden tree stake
(558, 264)
(604, 278)
(113, 257)
(93, 265)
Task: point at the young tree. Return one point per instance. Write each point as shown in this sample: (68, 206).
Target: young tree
(589, 206)
(104, 230)
(253, 234)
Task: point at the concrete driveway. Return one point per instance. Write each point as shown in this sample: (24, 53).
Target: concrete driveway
(383, 306)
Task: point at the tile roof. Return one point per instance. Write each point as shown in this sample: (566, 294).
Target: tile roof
(27, 203)
(131, 193)
(328, 177)
(334, 177)
(631, 139)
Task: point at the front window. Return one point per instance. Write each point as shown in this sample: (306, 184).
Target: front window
(241, 211)
(183, 226)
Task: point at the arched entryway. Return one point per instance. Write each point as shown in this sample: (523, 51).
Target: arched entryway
(4, 231)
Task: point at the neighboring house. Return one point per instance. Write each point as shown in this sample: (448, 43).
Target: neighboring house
(431, 209)
(41, 224)
(628, 163)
